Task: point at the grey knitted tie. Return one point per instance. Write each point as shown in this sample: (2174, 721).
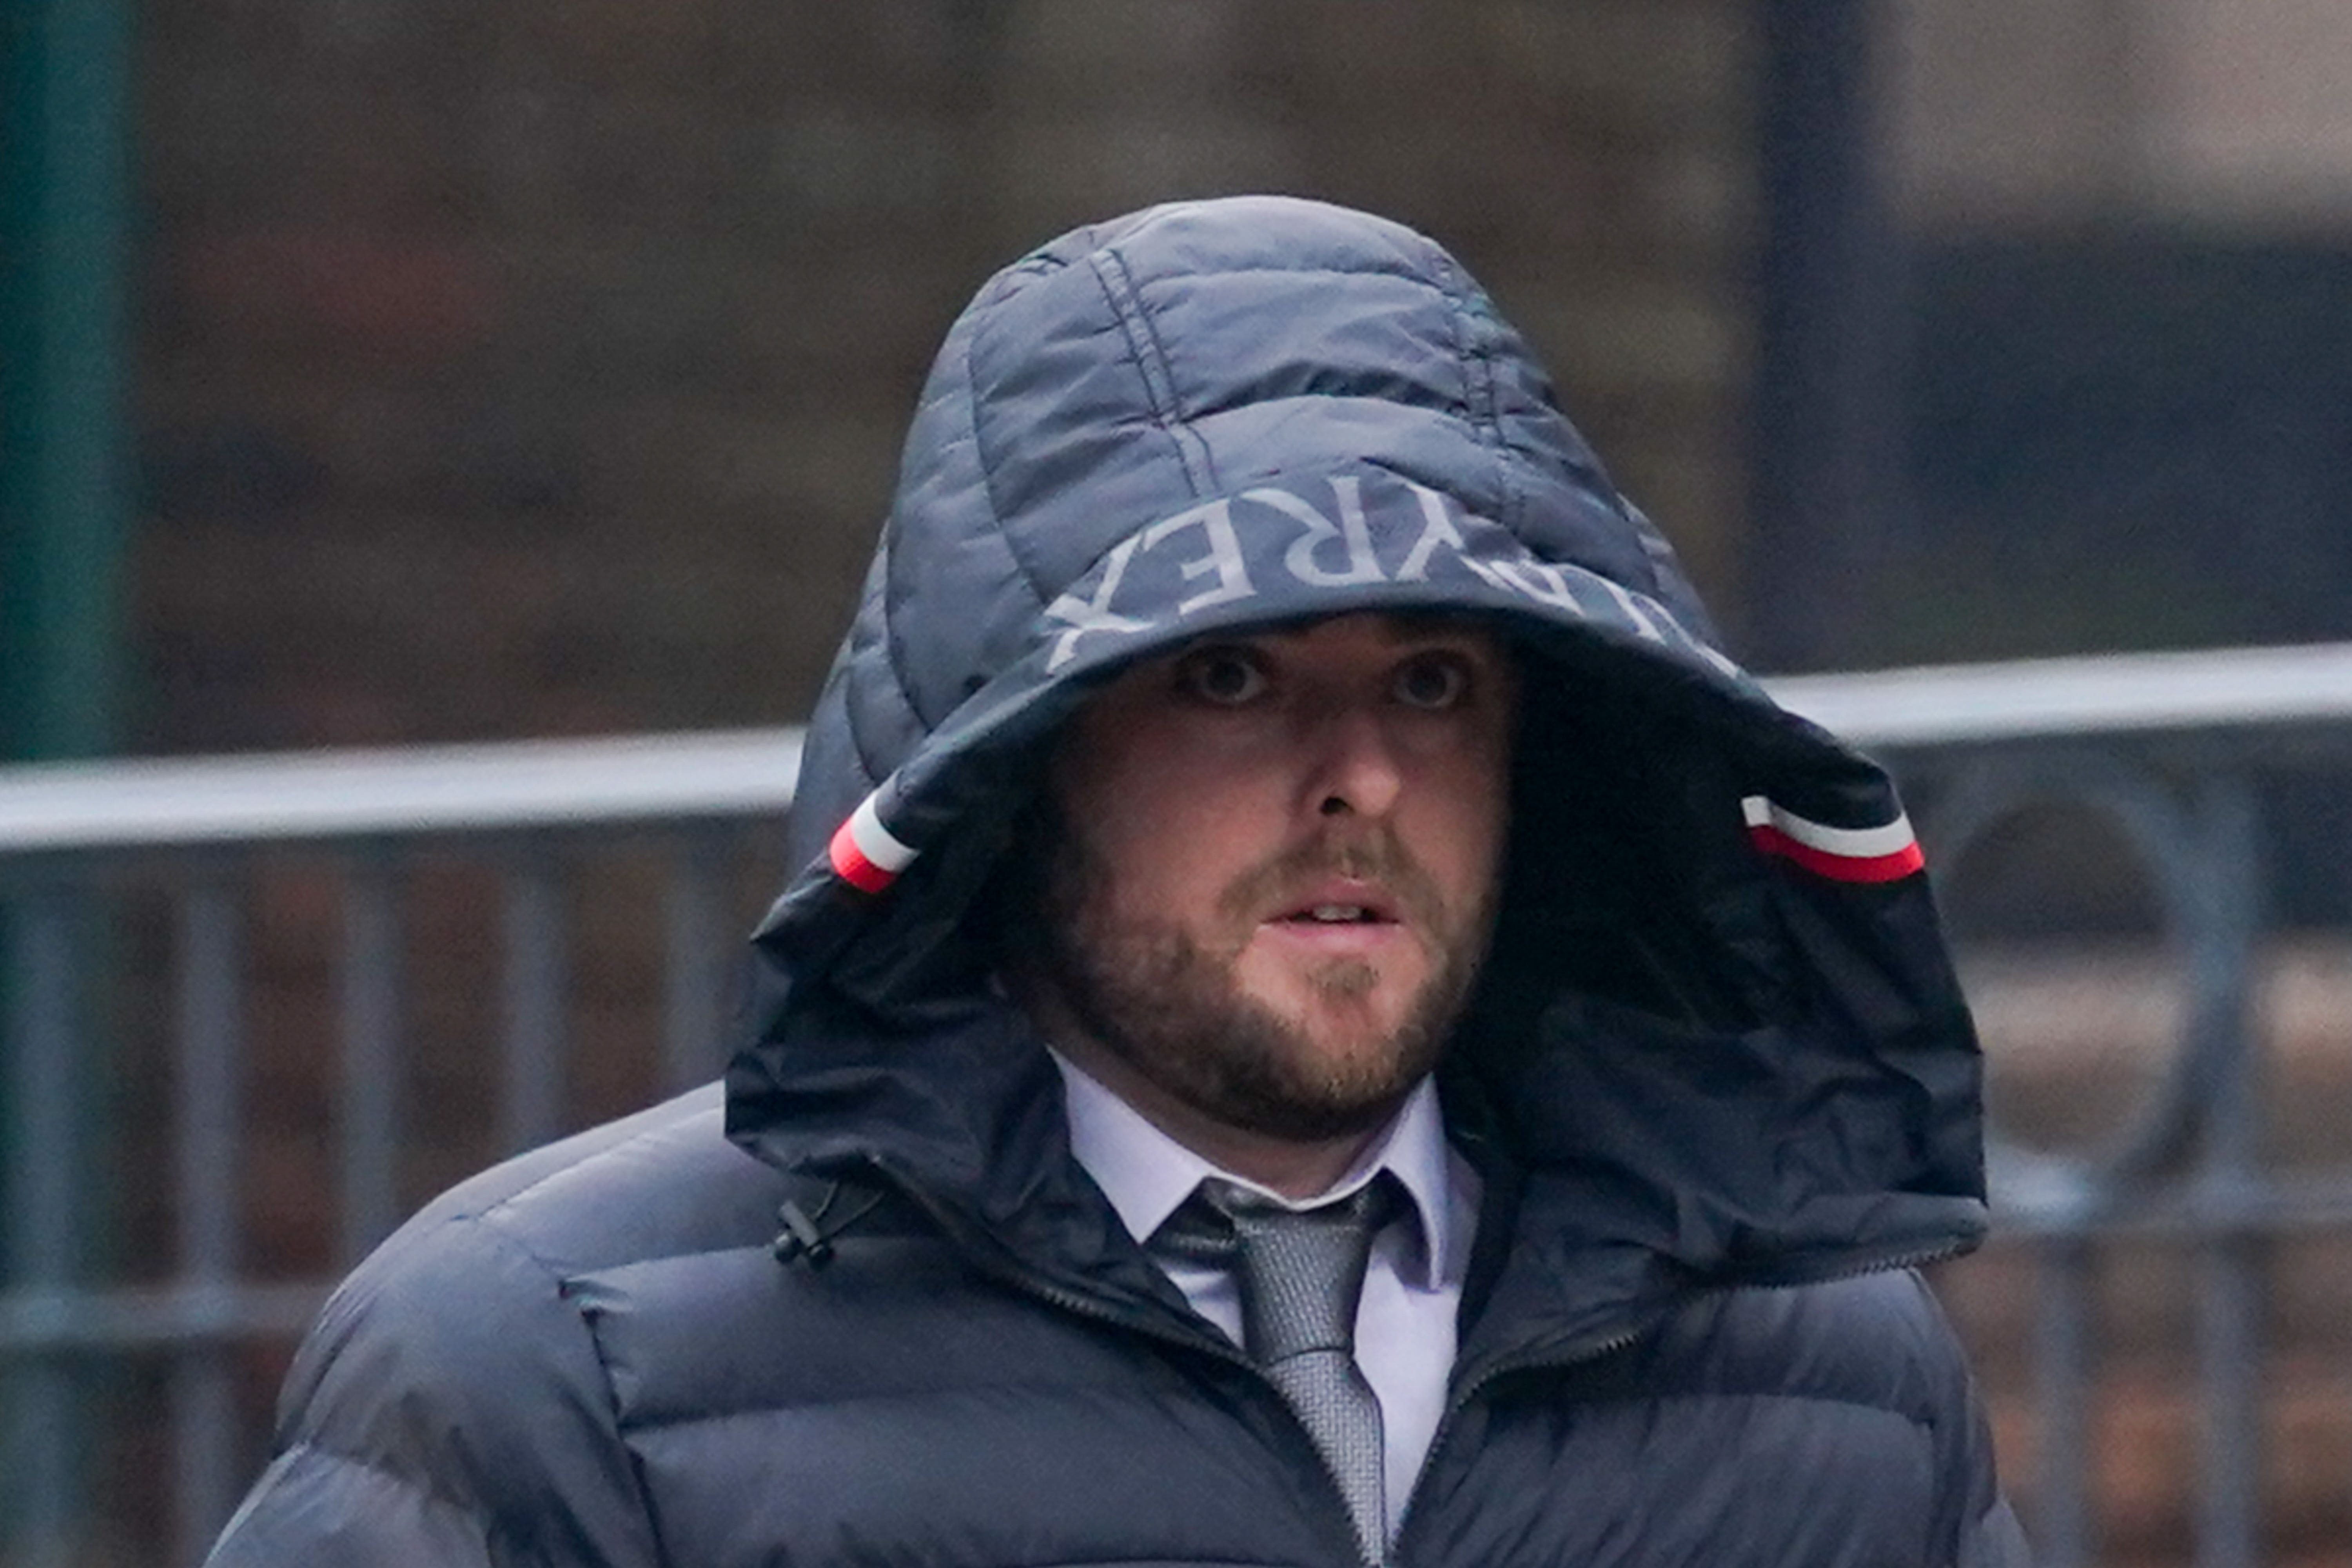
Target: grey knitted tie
(1301, 1273)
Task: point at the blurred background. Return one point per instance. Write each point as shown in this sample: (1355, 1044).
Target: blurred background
(392, 374)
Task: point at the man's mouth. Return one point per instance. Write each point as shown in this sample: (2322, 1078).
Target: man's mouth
(1336, 914)
(1361, 922)
(1340, 901)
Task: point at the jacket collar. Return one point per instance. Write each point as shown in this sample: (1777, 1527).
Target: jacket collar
(1147, 1175)
(1613, 1177)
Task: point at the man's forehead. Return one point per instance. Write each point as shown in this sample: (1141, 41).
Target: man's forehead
(1398, 627)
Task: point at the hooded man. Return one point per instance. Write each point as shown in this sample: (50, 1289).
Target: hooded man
(1321, 1021)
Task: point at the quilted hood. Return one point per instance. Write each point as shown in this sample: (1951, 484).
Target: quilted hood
(1718, 991)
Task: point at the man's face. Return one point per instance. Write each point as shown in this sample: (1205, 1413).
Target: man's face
(1275, 865)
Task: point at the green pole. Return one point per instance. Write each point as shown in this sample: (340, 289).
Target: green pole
(64, 518)
(64, 210)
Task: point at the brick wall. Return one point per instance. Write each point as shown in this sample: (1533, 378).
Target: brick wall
(529, 368)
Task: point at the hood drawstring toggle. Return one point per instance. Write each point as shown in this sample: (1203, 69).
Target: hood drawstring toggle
(805, 1237)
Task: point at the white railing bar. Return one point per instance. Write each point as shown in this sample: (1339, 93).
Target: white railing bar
(271, 797)
(51, 1321)
(291, 795)
(2093, 695)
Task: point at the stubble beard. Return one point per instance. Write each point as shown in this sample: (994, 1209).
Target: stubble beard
(1171, 1009)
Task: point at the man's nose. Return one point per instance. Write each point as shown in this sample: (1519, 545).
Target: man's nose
(1356, 770)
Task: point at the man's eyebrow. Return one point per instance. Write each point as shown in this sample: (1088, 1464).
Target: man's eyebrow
(1398, 629)
(1394, 625)
(1429, 626)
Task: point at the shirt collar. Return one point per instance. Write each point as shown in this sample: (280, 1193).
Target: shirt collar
(1145, 1174)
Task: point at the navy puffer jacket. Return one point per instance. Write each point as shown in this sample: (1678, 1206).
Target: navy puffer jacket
(1719, 1079)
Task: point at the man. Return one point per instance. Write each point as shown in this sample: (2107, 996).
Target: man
(1323, 1022)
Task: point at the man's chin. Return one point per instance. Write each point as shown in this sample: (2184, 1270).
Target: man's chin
(1351, 1046)
(1313, 1095)
(1309, 1073)
(1341, 994)
(1285, 1035)
(1343, 1075)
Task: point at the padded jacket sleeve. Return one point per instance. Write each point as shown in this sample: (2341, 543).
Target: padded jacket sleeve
(449, 1408)
(317, 1506)
(1980, 1525)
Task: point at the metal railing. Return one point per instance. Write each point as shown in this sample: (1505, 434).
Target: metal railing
(2173, 749)
(75, 838)
(2174, 752)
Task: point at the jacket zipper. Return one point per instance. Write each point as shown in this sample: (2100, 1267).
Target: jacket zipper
(1618, 1339)
(1584, 1351)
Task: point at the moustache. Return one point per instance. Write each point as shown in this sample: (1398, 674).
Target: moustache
(1378, 858)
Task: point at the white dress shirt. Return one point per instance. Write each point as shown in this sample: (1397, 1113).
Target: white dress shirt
(1413, 1288)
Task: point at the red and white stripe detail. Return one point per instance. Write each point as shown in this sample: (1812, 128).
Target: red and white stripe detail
(864, 853)
(1885, 853)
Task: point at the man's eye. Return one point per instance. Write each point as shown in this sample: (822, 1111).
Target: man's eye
(1432, 681)
(1223, 676)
